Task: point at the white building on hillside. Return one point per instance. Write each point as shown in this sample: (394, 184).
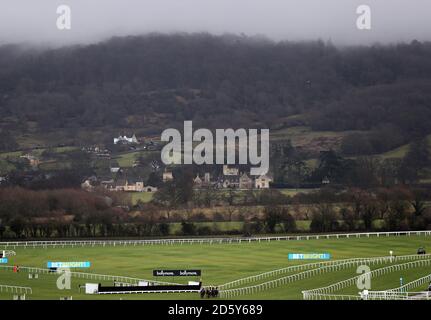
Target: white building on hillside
(126, 140)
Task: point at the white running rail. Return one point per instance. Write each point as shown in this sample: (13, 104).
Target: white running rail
(326, 292)
(403, 292)
(387, 295)
(378, 295)
(337, 265)
(140, 292)
(103, 243)
(15, 289)
(87, 275)
(412, 285)
(301, 267)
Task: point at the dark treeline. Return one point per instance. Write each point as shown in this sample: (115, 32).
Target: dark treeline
(59, 213)
(66, 213)
(219, 82)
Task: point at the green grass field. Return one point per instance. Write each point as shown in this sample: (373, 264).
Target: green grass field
(401, 151)
(220, 263)
(294, 192)
(126, 159)
(142, 196)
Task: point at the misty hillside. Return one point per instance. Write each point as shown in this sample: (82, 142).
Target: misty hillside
(145, 84)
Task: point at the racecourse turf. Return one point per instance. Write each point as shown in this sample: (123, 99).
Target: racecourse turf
(220, 263)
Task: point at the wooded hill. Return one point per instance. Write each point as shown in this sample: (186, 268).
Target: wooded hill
(145, 84)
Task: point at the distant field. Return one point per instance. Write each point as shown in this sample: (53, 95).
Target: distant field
(6, 166)
(400, 152)
(220, 263)
(36, 152)
(293, 192)
(311, 140)
(301, 133)
(126, 160)
(143, 196)
(13, 154)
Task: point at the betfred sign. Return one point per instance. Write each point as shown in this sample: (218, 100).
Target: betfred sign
(176, 273)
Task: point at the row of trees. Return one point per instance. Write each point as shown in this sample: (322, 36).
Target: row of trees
(64, 212)
(72, 213)
(399, 209)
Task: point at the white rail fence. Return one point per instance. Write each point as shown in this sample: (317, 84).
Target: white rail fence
(414, 284)
(125, 284)
(326, 293)
(316, 265)
(103, 243)
(282, 281)
(403, 292)
(155, 291)
(15, 289)
(321, 296)
(87, 275)
(9, 253)
(336, 265)
(377, 295)
(386, 295)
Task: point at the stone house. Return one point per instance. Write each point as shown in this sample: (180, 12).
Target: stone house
(262, 182)
(245, 182)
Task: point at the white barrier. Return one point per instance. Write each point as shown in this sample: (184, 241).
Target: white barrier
(412, 285)
(87, 275)
(403, 292)
(15, 289)
(336, 297)
(386, 295)
(155, 291)
(300, 267)
(326, 292)
(336, 265)
(103, 243)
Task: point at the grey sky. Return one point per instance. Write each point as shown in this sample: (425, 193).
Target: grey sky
(92, 20)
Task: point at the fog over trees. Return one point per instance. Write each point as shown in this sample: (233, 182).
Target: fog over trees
(219, 81)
